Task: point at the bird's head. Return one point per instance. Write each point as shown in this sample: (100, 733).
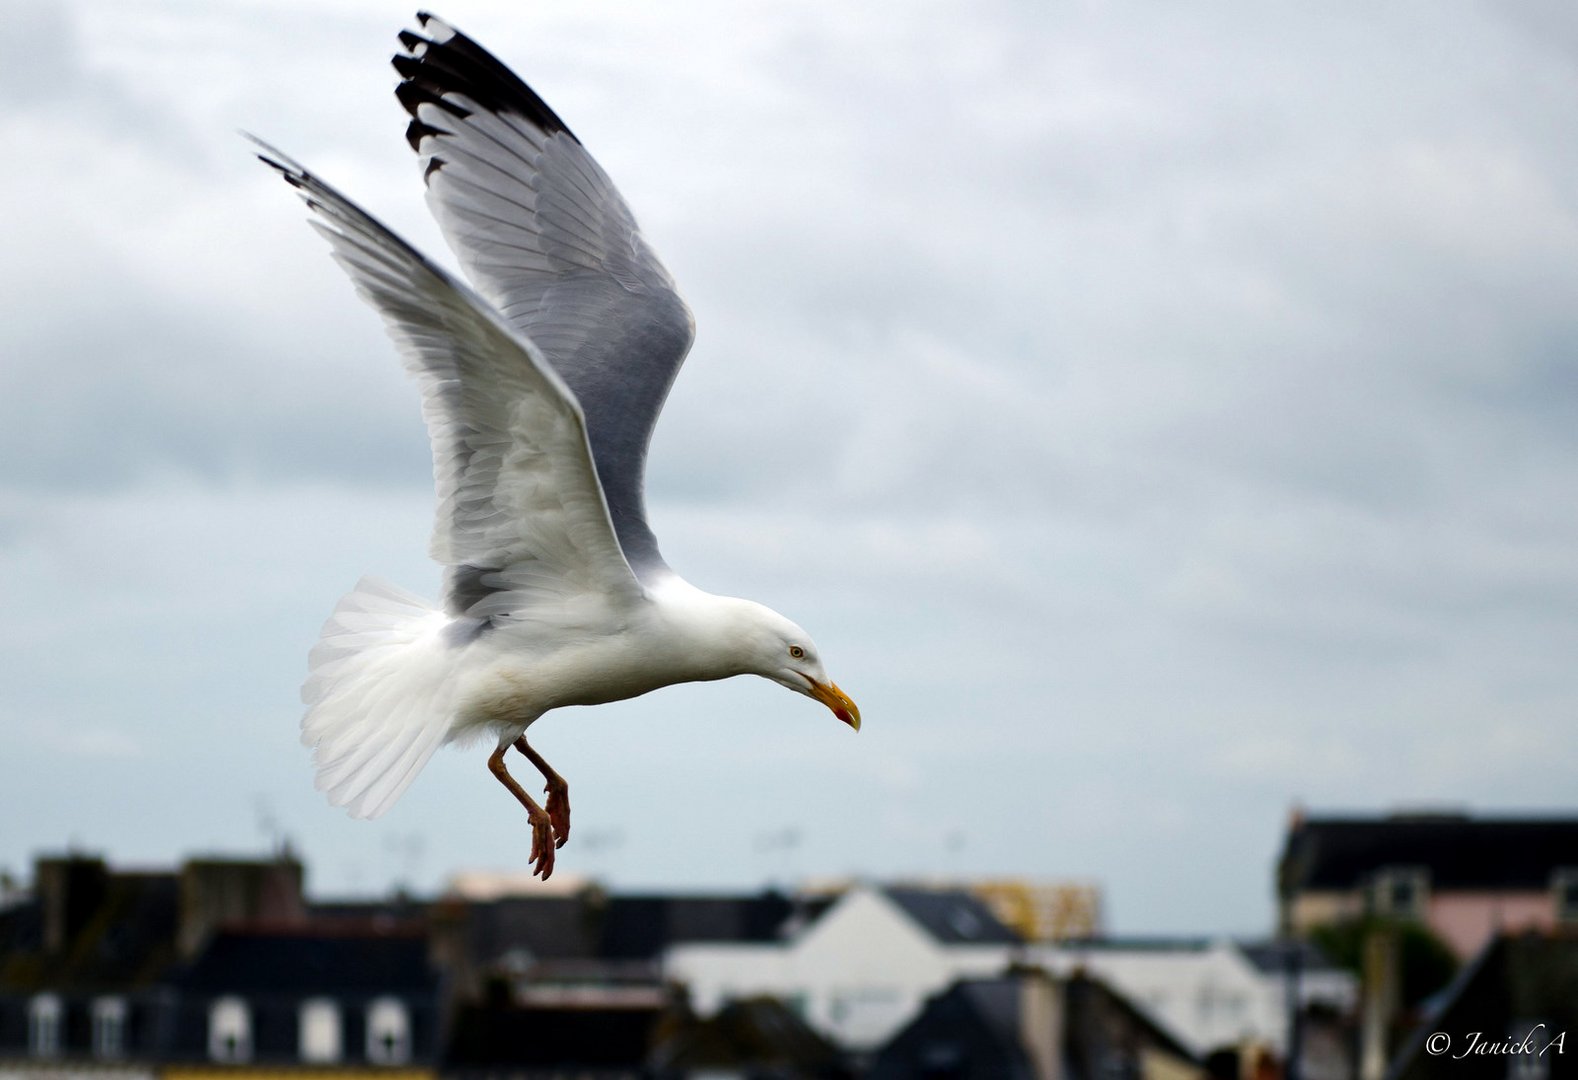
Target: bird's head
(777, 649)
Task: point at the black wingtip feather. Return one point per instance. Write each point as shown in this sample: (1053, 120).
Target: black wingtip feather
(457, 65)
(276, 166)
(413, 94)
(417, 130)
(293, 172)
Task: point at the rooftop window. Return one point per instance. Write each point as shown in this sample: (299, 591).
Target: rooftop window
(388, 1032)
(230, 1030)
(44, 1016)
(319, 1031)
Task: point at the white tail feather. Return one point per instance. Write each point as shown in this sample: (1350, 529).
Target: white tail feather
(377, 695)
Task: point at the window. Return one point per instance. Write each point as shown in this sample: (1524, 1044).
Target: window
(1565, 885)
(319, 1030)
(44, 1016)
(109, 1027)
(388, 1032)
(230, 1030)
(1400, 892)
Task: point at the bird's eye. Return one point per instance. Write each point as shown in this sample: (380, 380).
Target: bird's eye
(797, 652)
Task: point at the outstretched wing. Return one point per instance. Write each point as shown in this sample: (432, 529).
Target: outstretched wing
(542, 233)
(521, 519)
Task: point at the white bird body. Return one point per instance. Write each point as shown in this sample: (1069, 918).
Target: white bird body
(679, 634)
(539, 392)
(392, 671)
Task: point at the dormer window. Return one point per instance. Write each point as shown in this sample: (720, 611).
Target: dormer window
(388, 1032)
(44, 1021)
(230, 1030)
(1564, 884)
(109, 1027)
(965, 923)
(1400, 892)
(319, 1028)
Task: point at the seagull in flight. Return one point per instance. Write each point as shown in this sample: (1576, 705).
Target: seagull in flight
(540, 384)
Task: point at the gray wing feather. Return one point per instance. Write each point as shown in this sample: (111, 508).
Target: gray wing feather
(545, 237)
(521, 523)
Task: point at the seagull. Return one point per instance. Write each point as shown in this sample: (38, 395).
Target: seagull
(540, 384)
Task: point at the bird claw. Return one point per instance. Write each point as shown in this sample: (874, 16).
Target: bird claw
(559, 810)
(542, 845)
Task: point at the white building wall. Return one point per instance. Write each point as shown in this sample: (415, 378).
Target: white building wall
(1206, 997)
(858, 974)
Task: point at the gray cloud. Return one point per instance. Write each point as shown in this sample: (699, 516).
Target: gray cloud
(1157, 416)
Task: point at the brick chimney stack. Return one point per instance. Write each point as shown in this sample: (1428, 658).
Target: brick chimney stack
(221, 892)
(70, 889)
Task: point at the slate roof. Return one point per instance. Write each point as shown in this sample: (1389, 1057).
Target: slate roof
(394, 912)
(1459, 852)
(620, 929)
(757, 1035)
(970, 1030)
(305, 962)
(1515, 983)
(494, 1038)
(543, 928)
(1271, 957)
(641, 927)
(952, 916)
(974, 1030)
(1103, 1032)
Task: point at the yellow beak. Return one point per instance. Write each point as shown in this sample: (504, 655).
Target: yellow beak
(835, 699)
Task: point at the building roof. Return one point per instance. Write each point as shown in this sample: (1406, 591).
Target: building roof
(1103, 1028)
(494, 1037)
(971, 1029)
(978, 1028)
(952, 916)
(758, 1034)
(1270, 957)
(620, 929)
(1459, 852)
(310, 962)
(1515, 983)
(528, 930)
(641, 927)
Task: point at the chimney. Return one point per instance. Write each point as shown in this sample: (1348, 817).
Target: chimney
(1041, 1023)
(449, 947)
(220, 892)
(70, 889)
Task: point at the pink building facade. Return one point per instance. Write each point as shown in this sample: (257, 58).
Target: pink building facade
(1465, 878)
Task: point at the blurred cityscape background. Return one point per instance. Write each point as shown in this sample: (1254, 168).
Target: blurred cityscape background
(1181, 426)
(1393, 932)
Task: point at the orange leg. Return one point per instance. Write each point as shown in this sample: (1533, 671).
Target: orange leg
(542, 845)
(558, 792)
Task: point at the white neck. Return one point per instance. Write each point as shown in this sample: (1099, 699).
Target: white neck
(714, 637)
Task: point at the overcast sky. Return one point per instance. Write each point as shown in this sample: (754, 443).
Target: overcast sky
(1160, 414)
